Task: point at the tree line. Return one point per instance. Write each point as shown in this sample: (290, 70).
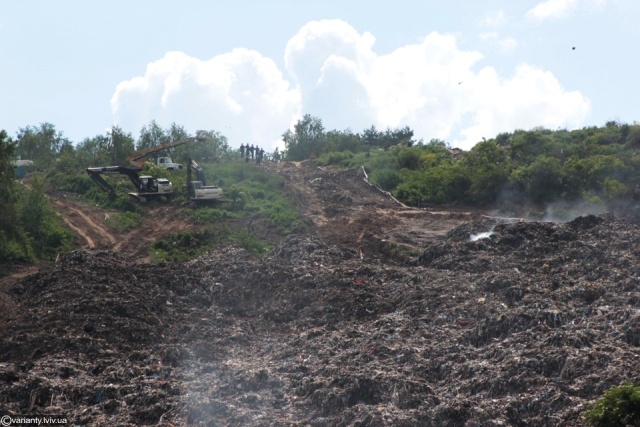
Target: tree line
(595, 165)
(29, 227)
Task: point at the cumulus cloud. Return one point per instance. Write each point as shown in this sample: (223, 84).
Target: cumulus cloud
(555, 9)
(436, 88)
(241, 94)
(505, 45)
(432, 86)
(494, 19)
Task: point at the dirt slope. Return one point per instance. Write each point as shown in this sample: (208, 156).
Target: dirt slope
(94, 230)
(334, 329)
(345, 209)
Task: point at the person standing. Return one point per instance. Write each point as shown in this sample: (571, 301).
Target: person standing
(241, 150)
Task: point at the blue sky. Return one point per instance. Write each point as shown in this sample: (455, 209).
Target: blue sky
(456, 70)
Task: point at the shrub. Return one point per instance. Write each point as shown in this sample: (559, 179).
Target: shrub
(619, 407)
(387, 179)
(334, 157)
(125, 221)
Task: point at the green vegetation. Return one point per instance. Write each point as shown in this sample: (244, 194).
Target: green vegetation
(619, 407)
(29, 227)
(546, 171)
(535, 168)
(184, 246)
(124, 221)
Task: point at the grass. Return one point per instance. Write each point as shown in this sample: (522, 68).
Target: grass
(187, 245)
(124, 221)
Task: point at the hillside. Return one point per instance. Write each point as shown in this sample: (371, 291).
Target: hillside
(341, 325)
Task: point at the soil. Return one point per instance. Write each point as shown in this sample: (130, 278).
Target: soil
(377, 314)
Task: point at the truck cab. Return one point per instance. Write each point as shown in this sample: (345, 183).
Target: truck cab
(167, 163)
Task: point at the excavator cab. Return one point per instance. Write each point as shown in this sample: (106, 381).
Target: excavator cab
(147, 187)
(148, 184)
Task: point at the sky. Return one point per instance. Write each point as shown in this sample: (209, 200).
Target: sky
(454, 70)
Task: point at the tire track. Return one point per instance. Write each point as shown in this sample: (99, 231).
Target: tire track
(84, 226)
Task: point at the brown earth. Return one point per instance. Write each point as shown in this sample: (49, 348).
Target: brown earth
(338, 326)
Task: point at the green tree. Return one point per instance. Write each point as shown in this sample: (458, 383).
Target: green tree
(527, 146)
(308, 137)
(40, 144)
(93, 152)
(541, 181)
(343, 141)
(619, 407)
(487, 170)
(40, 221)
(120, 145)
(152, 135)
(390, 137)
(210, 146)
(13, 242)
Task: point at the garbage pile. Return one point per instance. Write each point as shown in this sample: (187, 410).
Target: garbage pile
(521, 326)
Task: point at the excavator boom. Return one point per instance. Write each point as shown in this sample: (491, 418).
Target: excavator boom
(137, 158)
(147, 187)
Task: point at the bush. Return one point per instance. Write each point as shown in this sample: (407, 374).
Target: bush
(125, 221)
(619, 407)
(206, 215)
(334, 158)
(387, 179)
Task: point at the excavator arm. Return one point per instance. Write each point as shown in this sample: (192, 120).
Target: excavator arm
(96, 175)
(137, 158)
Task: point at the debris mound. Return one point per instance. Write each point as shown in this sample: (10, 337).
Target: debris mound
(521, 327)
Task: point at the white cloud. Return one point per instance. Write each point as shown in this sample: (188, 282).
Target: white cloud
(505, 45)
(241, 94)
(530, 98)
(494, 19)
(555, 9)
(432, 86)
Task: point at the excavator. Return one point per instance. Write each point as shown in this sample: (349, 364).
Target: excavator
(148, 187)
(198, 190)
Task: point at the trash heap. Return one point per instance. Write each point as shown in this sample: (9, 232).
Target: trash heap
(521, 327)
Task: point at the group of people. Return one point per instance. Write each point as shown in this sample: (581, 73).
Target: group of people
(250, 152)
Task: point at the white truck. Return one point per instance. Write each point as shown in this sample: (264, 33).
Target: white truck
(167, 163)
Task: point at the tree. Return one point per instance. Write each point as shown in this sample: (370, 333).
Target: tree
(12, 239)
(93, 151)
(7, 175)
(307, 138)
(343, 141)
(488, 171)
(152, 135)
(541, 180)
(211, 146)
(619, 407)
(388, 138)
(40, 221)
(40, 144)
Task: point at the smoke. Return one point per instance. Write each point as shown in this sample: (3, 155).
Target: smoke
(483, 235)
